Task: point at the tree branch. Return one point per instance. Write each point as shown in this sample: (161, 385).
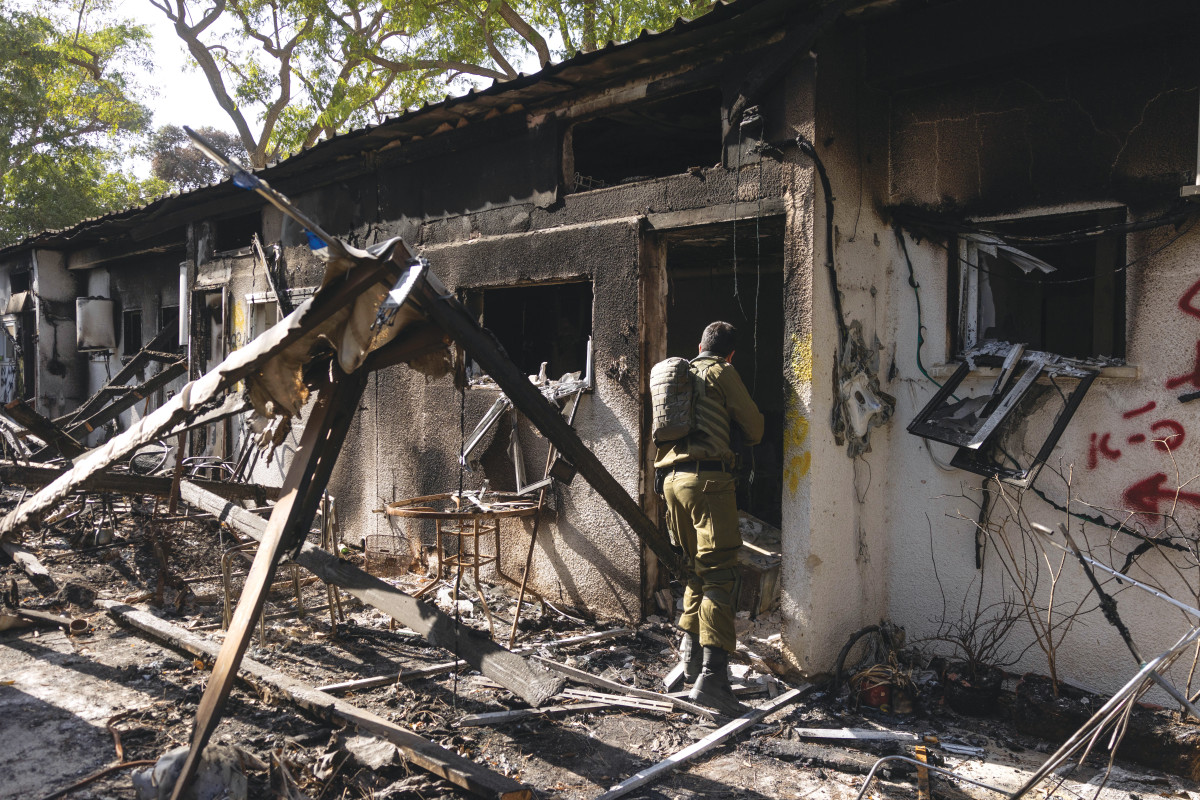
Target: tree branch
(525, 30)
(435, 64)
(208, 65)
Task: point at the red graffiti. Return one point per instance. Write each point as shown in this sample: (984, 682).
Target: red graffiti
(1136, 438)
(1145, 495)
(1100, 447)
(1146, 409)
(1170, 435)
(1185, 302)
(1192, 377)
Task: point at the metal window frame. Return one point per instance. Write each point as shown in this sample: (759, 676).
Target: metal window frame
(1019, 370)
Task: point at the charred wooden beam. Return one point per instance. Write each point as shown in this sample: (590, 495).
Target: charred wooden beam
(57, 440)
(128, 400)
(307, 477)
(133, 367)
(462, 772)
(124, 483)
(532, 684)
(198, 395)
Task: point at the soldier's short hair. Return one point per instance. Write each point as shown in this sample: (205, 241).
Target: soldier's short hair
(719, 338)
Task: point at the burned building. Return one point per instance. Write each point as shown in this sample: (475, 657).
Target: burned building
(869, 191)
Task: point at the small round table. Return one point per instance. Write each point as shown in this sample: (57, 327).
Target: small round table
(469, 517)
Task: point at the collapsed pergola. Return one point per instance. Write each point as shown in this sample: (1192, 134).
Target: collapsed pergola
(375, 308)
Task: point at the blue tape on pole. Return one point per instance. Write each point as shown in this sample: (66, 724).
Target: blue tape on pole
(244, 180)
(315, 242)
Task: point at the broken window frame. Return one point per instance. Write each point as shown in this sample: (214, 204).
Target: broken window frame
(475, 297)
(974, 280)
(1019, 370)
(581, 137)
(556, 392)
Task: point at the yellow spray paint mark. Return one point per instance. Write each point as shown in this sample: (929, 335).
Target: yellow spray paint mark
(802, 358)
(795, 436)
(241, 331)
(798, 459)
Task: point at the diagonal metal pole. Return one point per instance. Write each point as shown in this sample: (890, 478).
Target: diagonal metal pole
(307, 477)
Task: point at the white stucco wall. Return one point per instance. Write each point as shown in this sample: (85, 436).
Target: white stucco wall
(916, 517)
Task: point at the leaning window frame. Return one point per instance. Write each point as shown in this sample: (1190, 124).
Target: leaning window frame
(1019, 370)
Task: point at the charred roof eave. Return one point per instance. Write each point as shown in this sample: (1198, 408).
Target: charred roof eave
(545, 89)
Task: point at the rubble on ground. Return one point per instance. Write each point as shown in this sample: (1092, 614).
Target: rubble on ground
(112, 696)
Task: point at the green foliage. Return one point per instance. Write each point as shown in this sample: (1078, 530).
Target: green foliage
(68, 115)
(314, 68)
(176, 162)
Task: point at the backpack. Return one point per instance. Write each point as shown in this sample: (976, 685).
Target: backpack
(673, 387)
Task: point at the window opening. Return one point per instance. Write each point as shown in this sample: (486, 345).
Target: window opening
(20, 282)
(1031, 281)
(985, 426)
(544, 328)
(168, 320)
(263, 315)
(236, 233)
(648, 140)
(131, 332)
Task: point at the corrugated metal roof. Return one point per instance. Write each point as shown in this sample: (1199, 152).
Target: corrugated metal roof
(591, 71)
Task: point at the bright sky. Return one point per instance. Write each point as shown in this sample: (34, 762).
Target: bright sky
(183, 96)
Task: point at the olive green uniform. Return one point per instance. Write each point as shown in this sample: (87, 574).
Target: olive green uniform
(701, 499)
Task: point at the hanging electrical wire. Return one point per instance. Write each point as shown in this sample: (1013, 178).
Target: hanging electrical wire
(810, 150)
(1121, 229)
(916, 287)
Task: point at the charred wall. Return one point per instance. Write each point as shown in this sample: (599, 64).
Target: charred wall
(979, 111)
(987, 135)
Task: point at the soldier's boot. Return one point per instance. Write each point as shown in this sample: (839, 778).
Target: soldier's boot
(712, 689)
(691, 656)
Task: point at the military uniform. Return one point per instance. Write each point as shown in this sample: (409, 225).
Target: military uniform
(701, 499)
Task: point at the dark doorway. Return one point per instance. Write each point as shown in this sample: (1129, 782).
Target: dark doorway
(719, 272)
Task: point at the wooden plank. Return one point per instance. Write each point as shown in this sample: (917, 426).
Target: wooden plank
(924, 790)
(462, 772)
(124, 483)
(362, 684)
(711, 215)
(855, 734)
(57, 440)
(604, 683)
(27, 561)
(312, 464)
(198, 395)
(690, 752)
(517, 714)
(626, 701)
(506, 668)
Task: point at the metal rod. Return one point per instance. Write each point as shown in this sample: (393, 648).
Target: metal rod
(1049, 534)
(1102, 715)
(923, 765)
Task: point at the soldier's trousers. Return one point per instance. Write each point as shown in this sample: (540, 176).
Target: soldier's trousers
(702, 511)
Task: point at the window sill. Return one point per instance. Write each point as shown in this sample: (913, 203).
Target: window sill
(1125, 372)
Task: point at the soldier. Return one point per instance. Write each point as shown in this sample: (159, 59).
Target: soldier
(702, 516)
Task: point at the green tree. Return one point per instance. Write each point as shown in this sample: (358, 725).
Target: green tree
(175, 161)
(68, 114)
(313, 68)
